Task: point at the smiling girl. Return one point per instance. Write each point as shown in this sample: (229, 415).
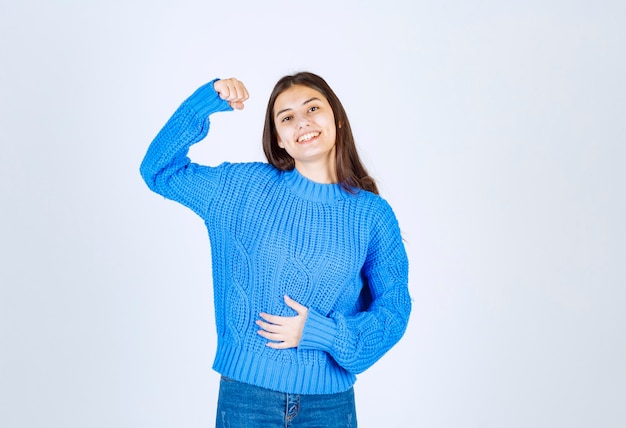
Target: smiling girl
(309, 269)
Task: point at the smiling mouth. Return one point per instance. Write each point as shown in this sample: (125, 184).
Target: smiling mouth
(307, 137)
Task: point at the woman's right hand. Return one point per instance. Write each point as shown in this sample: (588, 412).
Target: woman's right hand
(233, 91)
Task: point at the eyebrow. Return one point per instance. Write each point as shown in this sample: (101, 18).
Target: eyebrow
(304, 103)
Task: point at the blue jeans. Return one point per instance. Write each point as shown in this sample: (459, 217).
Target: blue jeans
(241, 405)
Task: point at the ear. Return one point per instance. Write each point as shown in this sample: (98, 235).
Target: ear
(280, 144)
(339, 125)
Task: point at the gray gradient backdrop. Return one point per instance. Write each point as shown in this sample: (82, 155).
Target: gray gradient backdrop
(496, 131)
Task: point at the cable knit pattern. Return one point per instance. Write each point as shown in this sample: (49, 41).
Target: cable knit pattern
(274, 233)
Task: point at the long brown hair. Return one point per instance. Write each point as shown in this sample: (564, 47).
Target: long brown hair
(351, 173)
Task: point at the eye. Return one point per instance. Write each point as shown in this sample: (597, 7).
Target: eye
(314, 108)
(286, 118)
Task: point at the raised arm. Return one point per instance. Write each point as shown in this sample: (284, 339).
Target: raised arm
(166, 169)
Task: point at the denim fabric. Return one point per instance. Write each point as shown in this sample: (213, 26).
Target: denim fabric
(241, 405)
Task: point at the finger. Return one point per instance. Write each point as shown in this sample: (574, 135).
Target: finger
(226, 88)
(236, 90)
(224, 92)
(274, 319)
(280, 345)
(300, 309)
(237, 93)
(221, 87)
(244, 92)
(272, 328)
(270, 336)
(232, 92)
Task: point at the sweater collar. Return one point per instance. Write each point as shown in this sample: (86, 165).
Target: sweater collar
(308, 189)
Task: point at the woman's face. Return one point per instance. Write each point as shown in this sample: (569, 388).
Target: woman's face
(305, 127)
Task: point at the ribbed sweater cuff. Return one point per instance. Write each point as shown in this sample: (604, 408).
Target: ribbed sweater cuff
(205, 100)
(319, 332)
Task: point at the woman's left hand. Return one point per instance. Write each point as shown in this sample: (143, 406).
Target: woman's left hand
(284, 332)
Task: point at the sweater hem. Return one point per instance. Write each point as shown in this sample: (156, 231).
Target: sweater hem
(288, 377)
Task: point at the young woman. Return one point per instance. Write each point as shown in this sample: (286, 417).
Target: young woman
(309, 268)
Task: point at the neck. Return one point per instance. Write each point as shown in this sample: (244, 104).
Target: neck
(323, 174)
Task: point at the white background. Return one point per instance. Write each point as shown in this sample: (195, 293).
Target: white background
(495, 129)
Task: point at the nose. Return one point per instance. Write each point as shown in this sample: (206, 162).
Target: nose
(303, 121)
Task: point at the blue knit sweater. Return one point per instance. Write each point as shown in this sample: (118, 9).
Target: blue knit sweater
(276, 233)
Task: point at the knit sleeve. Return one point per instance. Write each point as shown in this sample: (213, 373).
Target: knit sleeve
(357, 341)
(167, 170)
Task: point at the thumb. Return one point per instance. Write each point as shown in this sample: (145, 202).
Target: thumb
(236, 105)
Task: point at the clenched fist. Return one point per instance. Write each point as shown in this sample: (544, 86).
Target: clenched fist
(233, 91)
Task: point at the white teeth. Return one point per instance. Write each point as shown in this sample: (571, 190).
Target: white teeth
(308, 136)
